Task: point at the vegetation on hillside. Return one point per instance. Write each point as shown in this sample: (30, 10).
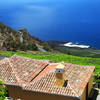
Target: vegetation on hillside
(14, 45)
(59, 57)
(80, 52)
(12, 40)
(3, 91)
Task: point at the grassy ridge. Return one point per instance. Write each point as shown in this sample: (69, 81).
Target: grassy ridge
(59, 57)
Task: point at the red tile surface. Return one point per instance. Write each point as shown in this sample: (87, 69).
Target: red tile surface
(39, 75)
(27, 69)
(77, 76)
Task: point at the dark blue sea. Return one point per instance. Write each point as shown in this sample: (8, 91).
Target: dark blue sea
(76, 21)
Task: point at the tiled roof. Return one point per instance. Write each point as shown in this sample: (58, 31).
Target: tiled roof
(6, 73)
(77, 76)
(47, 84)
(39, 75)
(24, 69)
(4, 60)
(27, 69)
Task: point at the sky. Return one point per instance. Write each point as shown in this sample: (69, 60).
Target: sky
(70, 20)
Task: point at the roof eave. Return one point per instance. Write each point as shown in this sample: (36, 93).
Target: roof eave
(78, 98)
(7, 84)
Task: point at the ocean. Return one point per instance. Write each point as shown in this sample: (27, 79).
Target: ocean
(77, 21)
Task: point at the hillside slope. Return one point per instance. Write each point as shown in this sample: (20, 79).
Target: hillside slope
(12, 40)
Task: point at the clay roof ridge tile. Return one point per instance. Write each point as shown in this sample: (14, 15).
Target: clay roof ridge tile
(46, 61)
(3, 61)
(33, 82)
(15, 73)
(73, 89)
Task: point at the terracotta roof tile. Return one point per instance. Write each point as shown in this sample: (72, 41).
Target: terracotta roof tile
(4, 60)
(46, 70)
(46, 81)
(40, 75)
(47, 84)
(27, 69)
(6, 73)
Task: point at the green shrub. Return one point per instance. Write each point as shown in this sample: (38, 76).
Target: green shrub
(2, 91)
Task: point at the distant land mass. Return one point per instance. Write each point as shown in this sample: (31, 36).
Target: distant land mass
(74, 49)
(68, 44)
